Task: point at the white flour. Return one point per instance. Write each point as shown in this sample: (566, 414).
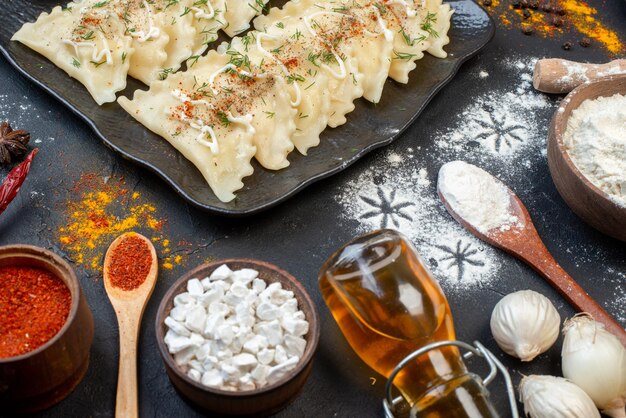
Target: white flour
(595, 139)
(404, 199)
(578, 73)
(476, 196)
(501, 122)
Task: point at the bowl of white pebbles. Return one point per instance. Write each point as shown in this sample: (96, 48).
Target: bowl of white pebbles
(587, 153)
(238, 337)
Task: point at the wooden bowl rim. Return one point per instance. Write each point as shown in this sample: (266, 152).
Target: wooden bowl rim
(69, 278)
(557, 132)
(312, 336)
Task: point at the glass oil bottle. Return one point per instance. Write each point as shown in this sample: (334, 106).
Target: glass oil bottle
(387, 306)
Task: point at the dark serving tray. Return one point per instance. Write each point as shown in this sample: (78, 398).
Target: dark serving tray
(369, 126)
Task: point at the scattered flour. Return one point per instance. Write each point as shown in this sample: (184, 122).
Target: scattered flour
(404, 199)
(497, 128)
(595, 139)
(476, 196)
(578, 73)
(501, 122)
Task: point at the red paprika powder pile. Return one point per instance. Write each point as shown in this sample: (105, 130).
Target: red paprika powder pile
(34, 305)
(130, 263)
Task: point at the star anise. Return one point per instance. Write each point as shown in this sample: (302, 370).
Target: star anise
(12, 143)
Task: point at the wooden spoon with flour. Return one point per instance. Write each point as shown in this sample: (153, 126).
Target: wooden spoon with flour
(491, 211)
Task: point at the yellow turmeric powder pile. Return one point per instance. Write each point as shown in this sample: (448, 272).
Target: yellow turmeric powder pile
(551, 18)
(104, 209)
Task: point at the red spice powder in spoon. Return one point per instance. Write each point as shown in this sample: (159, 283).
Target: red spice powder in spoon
(130, 263)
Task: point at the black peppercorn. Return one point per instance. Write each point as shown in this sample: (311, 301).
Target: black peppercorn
(526, 13)
(585, 42)
(567, 46)
(516, 4)
(486, 3)
(560, 11)
(547, 8)
(557, 22)
(533, 4)
(527, 30)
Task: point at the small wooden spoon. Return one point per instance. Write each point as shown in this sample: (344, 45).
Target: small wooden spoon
(523, 241)
(129, 306)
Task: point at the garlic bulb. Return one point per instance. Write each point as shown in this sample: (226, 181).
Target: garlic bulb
(525, 324)
(555, 397)
(595, 360)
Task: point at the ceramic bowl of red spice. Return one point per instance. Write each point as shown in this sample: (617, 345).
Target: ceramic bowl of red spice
(46, 329)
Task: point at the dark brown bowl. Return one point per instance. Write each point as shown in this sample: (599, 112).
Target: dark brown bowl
(586, 200)
(40, 378)
(259, 402)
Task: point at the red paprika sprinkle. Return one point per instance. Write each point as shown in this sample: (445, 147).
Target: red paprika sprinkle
(130, 263)
(34, 305)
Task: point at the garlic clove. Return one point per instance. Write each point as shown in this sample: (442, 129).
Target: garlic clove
(555, 397)
(525, 324)
(595, 360)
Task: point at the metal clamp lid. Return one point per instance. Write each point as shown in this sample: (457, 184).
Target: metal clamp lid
(389, 403)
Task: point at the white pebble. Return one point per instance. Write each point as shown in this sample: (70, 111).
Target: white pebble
(258, 285)
(244, 361)
(295, 345)
(235, 332)
(277, 372)
(259, 374)
(177, 327)
(297, 327)
(196, 319)
(255, 344)
(267, 311)
(211, 296)
(194, 287)
(266, 355)
(245, 276)
(272, 331)
(178, 313)
(212, 378)
(183, 357)
(246, 383)
(183, 299)
(221, 273)
(280, 355)
(194, 375)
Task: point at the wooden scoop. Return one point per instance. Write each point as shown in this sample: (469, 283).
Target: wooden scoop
(555, 75)
(523, 241)
(129, 306)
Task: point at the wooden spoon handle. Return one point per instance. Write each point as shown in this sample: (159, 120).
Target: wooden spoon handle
(555, 75)
(126, 405)
(543, 262)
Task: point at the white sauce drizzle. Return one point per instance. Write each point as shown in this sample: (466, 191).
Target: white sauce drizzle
(410, 12)
(383, 27)
(227, 67)
(205, 129)
(96, 55)
(296, 87)
(342, 68)
(153, 32)
(201, 14)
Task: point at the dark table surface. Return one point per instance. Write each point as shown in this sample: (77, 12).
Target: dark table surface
(301, 233)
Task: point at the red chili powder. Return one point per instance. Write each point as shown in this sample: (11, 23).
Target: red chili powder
(34, 305)
(130, 263)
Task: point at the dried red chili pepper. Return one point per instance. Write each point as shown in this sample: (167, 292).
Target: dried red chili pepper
(34, 305)
(130, 263)
(14, 180)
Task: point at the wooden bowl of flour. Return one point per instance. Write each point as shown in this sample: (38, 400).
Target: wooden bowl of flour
(589, 202)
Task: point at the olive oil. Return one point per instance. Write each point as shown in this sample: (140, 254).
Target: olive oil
(387, 306)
